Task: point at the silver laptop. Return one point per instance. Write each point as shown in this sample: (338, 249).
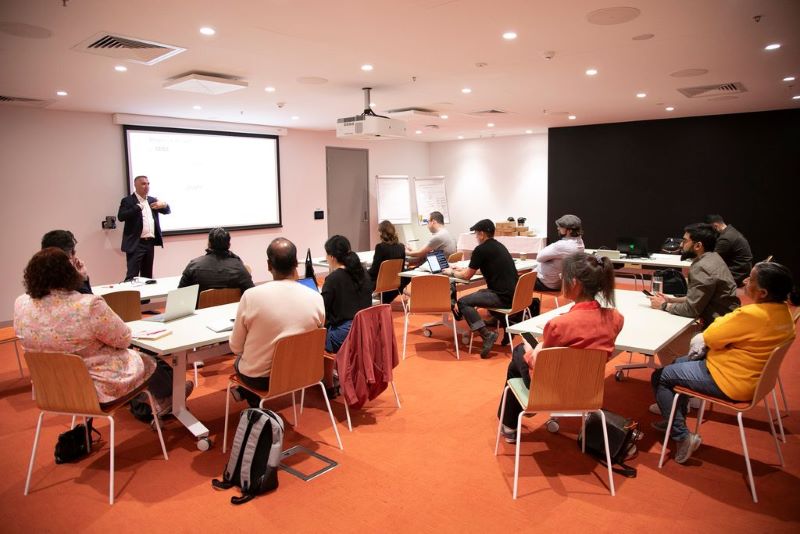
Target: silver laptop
(180, 303)
(610, 254)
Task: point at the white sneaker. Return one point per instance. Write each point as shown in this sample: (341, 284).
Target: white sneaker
(654, 409)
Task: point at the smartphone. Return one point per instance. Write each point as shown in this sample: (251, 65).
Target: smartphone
(527, 336)
(646, 292)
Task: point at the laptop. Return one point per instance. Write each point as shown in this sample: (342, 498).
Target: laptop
(437, 262)
(310, 283)
(633, 247)
(180, 303)
(610, 254)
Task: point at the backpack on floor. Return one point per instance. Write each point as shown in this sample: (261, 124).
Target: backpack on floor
(255, 455)
(674, 282)
(623, 434)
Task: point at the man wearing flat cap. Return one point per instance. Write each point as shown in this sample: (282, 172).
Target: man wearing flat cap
(552, 256)
(500, 273)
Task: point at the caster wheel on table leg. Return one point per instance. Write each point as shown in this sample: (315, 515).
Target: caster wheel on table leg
(427, 332)
(619, 375)
(552, 425)
(204, 444)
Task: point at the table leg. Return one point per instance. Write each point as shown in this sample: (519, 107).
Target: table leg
(179, 409)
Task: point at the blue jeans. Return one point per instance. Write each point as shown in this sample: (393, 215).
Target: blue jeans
(690, 374)
(336, 335)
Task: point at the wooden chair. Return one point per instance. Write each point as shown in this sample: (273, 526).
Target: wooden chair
(765, 385)
(430, 294)
(296, 365)
(126, 304)
(63, 386)
(455, 257)
(7, 335)
(565, 380)
(389, 278)
(795, 318)
(208, 299)
(522, 300)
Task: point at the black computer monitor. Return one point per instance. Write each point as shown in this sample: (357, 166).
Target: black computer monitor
(633, 247)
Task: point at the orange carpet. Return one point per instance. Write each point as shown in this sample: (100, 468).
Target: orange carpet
(426, 467)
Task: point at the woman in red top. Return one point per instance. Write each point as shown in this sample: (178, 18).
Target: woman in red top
(587, 325)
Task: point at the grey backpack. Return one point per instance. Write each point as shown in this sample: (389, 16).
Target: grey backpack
(255, 455)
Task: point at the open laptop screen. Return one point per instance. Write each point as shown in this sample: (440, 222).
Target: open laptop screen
(633, 247)
(437, 261)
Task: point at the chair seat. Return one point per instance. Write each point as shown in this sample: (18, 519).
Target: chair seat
(238, 381)
(504, 311)
(110, 407)
(733, 405)
(520, 391)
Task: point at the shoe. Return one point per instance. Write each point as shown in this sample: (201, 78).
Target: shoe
(504, 341)
(654, 409)
(687, 447)
(694, 403)
(162, 406)
(488, 343)
(236, 393)
(660, 426)
(509, 434)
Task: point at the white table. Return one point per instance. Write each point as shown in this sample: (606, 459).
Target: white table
(530, 245)
(646, 330)
(190, 340)
(146, 291)
(655, 260)
(365, 257)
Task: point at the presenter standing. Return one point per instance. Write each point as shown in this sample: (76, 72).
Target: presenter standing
(142, 231)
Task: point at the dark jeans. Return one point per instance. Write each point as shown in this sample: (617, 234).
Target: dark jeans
(690, 374)
(261, 382)
(140, 261)
(517, 368)
(539, 286)
(160, 384)
(484, 298)
(336, 335)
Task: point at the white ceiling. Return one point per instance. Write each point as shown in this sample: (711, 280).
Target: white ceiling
(423, 51)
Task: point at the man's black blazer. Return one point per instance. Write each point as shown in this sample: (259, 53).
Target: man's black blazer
(131, 215)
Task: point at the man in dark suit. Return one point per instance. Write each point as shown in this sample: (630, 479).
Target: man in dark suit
(142, 231)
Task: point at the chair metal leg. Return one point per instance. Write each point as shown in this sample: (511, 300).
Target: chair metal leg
(294, 409)
(227, 409)
(608, 454)
(111, 462)
(471, 335)
(157, 424)
(396, 397)
(747, 458)
(72, 424)
(455, 338)
(510, 341)
(669, 428)
(196, 382)
(347, 414)
(302, 399)
(33, 452)
(500, 422)
(778, 414)
(405, 335)
(330, 413)
(583, 432)
(783, 396)
(700, 416)
(516, 454)
(86, 433)
(772, 430)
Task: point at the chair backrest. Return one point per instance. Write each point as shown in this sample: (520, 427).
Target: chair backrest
(430, 294)
(126, 304)
(568, 379)
(62, 383)
(769, 375)
(455, 256)
(297, 362)
(796, 316)
(389, 275)
(523, 292)
(218, 297)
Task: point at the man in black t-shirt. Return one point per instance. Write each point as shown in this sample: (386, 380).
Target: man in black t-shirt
(500, 273)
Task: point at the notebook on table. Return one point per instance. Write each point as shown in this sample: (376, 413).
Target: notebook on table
(180, 303)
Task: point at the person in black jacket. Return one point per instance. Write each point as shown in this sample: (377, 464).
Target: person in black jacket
(142, 232)
(389, 248)
(733, 247)
(219, 268)
(65, 240)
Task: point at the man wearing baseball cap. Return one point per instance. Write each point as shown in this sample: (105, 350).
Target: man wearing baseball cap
(552, 256)
(500, 273)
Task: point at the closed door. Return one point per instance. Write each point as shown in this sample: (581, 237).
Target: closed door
(348, 195)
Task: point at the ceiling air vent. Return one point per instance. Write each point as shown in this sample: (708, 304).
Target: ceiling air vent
(487, 112)
(413, 109)
(705, 91)
(206, 83)
(127, 48)
(27, 102)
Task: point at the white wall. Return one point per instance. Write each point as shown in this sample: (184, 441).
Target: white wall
(494, 179)
(67, 170)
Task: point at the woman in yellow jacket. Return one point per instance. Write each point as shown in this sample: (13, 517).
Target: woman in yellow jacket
(738, 345)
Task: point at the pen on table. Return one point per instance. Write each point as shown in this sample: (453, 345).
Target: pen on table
(413, 240)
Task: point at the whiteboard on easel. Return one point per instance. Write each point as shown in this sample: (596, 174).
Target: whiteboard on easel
(431, 196)
(394, 199)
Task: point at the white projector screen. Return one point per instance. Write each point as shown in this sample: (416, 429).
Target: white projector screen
(209, 179)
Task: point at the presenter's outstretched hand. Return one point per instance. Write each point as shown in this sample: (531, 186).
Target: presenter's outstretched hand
(158, 204)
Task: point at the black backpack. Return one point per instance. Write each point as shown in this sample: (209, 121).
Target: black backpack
(71, 445)
(255, 455)
(674, 282)
(623, 434)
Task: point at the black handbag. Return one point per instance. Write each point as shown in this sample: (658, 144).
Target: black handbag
(623, 433)
(310, 267)
(71, 445)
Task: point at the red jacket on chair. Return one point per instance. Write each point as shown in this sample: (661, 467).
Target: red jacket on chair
(367, 356)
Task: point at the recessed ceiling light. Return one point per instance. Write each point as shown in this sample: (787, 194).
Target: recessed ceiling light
(269, 89)
(510, 36)
(461, 137)
(591, 72)
(62, 93)
(372, 104)
(669, 108)
(443, 116)
(772, 46)
(197, 107)
(295, 118)
(789, 79)
(796, 97)
(418, 132)
(490, 124)
(528, 131)
(121, 68)
(366, 67)
(572, 117)
(207, 30)
(466, 90)
(641, 95)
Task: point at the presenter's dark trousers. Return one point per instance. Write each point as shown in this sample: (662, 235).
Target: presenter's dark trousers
(140, 261)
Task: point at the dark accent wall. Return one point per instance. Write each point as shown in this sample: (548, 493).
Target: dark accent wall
(651, 178)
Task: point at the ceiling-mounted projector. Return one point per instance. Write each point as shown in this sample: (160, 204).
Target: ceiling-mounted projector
(368, 125)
